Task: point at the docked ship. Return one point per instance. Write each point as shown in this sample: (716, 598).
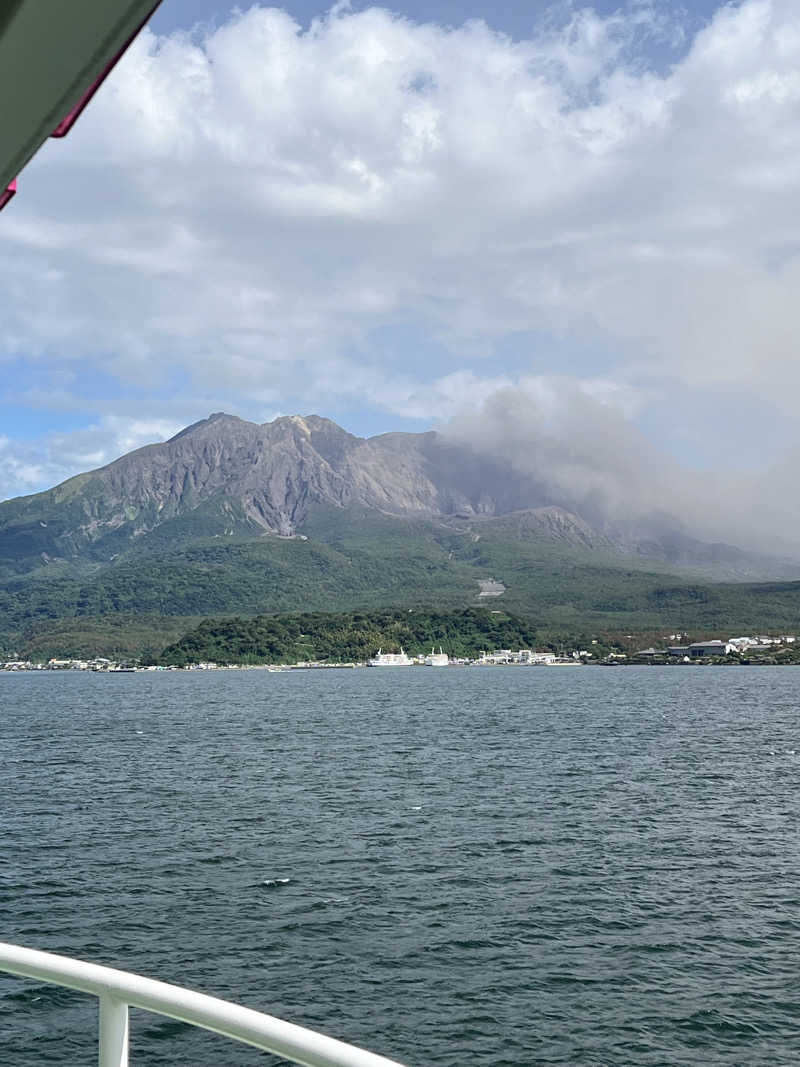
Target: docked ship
(437, 659)
(391, 659)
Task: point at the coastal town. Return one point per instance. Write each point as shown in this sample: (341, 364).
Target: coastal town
(753, 646)
(499, 657)
(759, 649)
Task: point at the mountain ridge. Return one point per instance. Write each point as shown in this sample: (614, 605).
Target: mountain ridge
(226, 476)
(234, 517)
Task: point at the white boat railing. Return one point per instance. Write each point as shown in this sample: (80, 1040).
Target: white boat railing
(119, 990)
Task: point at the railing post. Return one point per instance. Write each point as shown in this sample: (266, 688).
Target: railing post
(117, 991)
(113, 1032)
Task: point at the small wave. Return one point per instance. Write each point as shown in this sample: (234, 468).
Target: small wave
(272, 883)
(52, 996)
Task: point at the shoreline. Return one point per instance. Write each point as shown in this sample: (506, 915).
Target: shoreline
(293, 668)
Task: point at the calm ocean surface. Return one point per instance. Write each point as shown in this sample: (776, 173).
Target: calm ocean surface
(487, 866)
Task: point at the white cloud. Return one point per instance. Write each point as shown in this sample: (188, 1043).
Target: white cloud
(26, 467)
(241, 212)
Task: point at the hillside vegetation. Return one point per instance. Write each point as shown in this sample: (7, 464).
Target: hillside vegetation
(347, 637)
(140, 603)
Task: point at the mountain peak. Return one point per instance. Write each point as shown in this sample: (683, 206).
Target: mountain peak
(300, 422)
(216, 416)
(308, 424)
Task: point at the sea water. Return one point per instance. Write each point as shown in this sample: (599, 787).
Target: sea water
(448, 866)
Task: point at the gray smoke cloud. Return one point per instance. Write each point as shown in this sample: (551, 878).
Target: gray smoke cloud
(576, 444)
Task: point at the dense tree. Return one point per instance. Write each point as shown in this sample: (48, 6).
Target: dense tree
(348, 637)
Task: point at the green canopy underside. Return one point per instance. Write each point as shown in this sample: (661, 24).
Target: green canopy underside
(50, 54)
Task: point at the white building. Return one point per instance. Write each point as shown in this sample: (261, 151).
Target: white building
(538, 658)
(704, 649)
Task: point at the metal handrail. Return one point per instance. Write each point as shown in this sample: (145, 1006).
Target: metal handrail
(119, 990)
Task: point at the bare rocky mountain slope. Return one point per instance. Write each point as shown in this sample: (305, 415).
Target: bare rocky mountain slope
(225, 476)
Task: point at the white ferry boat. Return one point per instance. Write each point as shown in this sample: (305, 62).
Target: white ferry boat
(437, 659)
(391, 659)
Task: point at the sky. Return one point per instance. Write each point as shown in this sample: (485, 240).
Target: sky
(577, 220)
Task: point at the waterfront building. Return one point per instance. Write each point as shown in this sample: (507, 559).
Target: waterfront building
(703, 649)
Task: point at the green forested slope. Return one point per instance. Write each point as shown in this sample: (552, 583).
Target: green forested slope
(364, 569)
(345, 637)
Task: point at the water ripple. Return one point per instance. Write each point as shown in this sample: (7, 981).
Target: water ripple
(509, 867)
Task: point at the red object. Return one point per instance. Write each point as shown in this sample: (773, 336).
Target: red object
(69, 120)
(7, 194)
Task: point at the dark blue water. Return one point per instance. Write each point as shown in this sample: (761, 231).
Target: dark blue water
(503, 866)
